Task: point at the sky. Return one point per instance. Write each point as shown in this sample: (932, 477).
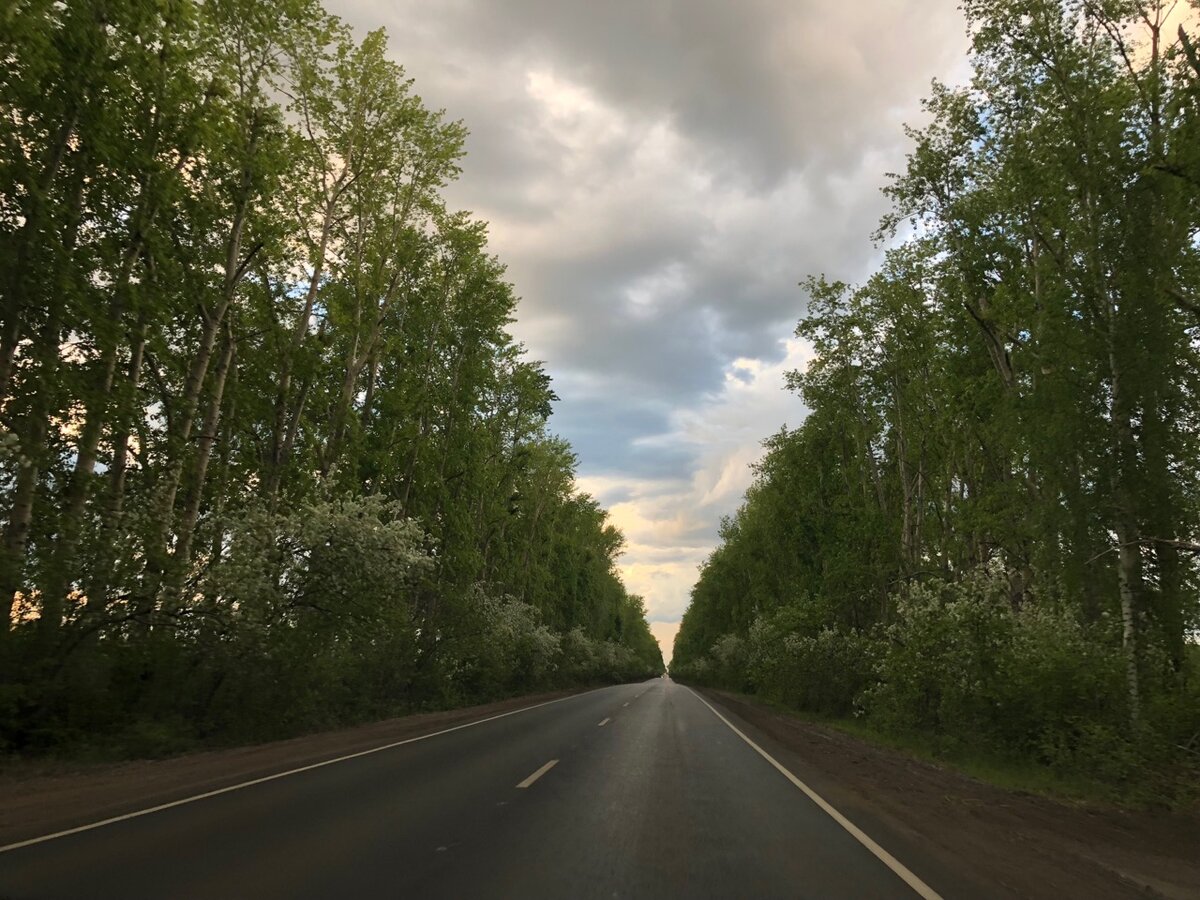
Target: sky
(659, 175)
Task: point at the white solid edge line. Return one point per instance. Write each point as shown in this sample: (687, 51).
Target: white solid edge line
(245, 784)
(857, 833)
(603, 722)
(538, 774)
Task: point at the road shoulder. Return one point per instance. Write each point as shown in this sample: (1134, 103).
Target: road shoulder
(39, 797)
(968, 838)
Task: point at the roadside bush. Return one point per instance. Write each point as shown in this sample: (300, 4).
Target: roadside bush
(697, 671)
(581, 657)
(939, 661)
(960, 665)
(317, 606)
(826, 672)
(964, 670)
(1060, 693)
(510, 652)
(823, 672)
(730, 657)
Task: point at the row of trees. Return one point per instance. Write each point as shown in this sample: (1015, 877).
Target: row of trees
(269, 457)
(986, 528)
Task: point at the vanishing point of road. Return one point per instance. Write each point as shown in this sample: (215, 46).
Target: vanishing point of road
(641, 790)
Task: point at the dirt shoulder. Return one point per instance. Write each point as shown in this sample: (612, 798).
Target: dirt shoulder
(40, 798)
(985, 840)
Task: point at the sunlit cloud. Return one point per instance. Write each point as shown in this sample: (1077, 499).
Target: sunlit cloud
(658, 177)
(670, 524)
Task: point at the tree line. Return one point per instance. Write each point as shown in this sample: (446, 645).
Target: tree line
(986, 529)
(269, 458)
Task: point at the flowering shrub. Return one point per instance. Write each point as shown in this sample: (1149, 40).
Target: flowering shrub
(318, 608)
(938, 662)
(960, 665)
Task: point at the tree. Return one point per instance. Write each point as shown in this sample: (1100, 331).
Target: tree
(1006, 408)
(270, 458)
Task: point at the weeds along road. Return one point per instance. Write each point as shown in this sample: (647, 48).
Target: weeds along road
(640, 790)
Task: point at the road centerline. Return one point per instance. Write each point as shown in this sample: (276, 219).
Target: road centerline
(603, 722)
(538, 774)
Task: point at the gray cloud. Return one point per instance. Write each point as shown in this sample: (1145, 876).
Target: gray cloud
(764, 86)
(658, 177)
(603, 427)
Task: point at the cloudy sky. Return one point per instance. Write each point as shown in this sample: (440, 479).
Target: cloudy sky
(658, 176)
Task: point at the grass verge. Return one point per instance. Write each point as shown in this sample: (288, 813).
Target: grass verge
(1152, 788)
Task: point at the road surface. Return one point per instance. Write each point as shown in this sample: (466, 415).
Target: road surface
(639, 790)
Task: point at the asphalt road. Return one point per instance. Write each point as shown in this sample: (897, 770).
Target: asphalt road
(651, 794)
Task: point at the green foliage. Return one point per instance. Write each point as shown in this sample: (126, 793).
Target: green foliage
(985, 531)
(270, 459)
(940, 670)
(825, 672)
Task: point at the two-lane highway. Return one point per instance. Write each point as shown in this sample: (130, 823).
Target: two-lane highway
(632, 791)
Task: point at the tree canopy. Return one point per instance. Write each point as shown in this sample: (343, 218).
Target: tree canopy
(987, 527)
(269, 456)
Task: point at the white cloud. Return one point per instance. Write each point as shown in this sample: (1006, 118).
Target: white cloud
(665, 633)
(658, 177)
(670, 524)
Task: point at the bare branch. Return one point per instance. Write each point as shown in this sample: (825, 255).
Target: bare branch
(1188, 546)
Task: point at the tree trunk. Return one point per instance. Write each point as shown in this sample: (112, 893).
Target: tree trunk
(355, 362)
(235, 271)
(33, 449)
(283, 434)
(34, 214)
(62, 566)
(168, 488)
(1125, 525)
(208, 435)
(118, 467)
(34, 443)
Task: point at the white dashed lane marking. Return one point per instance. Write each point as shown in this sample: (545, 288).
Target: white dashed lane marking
(538, 774)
